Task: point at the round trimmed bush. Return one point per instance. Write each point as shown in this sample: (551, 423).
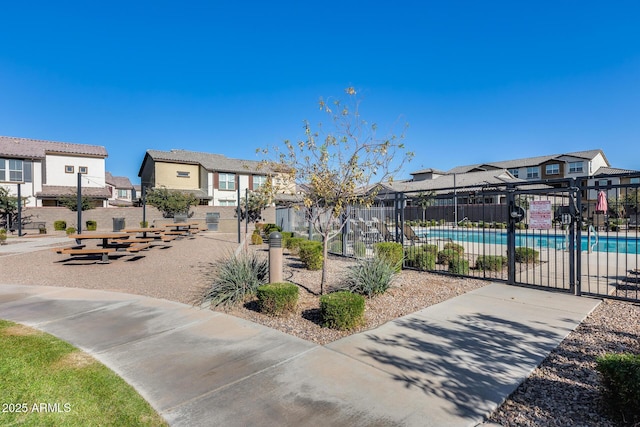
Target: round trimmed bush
(446, 255)
(71, 230)
(454, 247)
(277, 299)
(311, 254)
(527, 255)
(59, 225)
(425, 261)
(91, 225)
(490, 262)
(256, 239)
(459, 265)
(342, 310)
(293, 244)
(390, 252)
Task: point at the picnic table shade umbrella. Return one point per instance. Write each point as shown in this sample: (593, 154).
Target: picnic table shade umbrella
(601, 205)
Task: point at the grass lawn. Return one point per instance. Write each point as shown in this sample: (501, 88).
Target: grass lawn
(47, 382)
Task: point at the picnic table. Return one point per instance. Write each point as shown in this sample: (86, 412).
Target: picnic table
(107, 243)
(144, 231)
(182, 228)
(104, 237)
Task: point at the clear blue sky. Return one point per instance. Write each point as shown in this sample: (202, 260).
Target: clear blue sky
(476, 81)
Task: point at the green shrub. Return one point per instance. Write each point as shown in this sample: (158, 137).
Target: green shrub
(391, 253)
(70, 230)
(431, 249)
(276, 299)
(270, 228)
(521, 226)
(286, 234)
(3, 236)
(236, 278)
(335, 246)
(293, 244)
(490, 262)
(527, 255)
(445, 255)
(342, 310)
(620, 374)
(59, 225)
(144, 224)
(426, 261)
(311, 254)
(359, 249)
(455, 247)
(91, 225)
(256, 239)
(370, 277)
(459, 265)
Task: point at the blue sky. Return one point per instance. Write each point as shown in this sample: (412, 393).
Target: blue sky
(476, 81)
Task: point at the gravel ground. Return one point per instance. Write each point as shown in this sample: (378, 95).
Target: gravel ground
(411, 291)
(563, 391)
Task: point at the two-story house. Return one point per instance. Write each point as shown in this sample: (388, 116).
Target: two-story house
(213, 178)
(121, 190)
(48, 171)
(580, 164)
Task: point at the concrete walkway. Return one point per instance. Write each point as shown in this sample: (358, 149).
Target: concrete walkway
(20, 245)
(447, 365)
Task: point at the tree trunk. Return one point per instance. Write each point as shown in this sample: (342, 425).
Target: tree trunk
(325, 251)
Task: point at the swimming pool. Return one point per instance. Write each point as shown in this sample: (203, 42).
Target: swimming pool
(605, 243)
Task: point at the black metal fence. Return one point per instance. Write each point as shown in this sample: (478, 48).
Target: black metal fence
(548, 234)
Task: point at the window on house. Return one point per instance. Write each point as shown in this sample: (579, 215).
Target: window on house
(533, 172)
(11, 170)
(634, 181)
(83, 169)
(68, 169)
(259, 181)
(514, 172)
(227, 182)
(227, 202)
(123, 194)
(553, 169)
(576, 167)
(183, 174)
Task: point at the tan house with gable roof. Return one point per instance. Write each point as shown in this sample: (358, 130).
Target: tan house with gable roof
(212, 178)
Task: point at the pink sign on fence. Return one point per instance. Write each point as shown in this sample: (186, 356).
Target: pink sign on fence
(540, 214)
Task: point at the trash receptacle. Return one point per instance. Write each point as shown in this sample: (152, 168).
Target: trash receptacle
(213, 219)
(179, 218)
(118, 224)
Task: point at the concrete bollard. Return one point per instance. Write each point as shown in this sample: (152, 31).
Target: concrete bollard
(275, 257)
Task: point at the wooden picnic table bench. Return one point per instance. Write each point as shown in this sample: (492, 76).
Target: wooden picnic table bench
(104, 252)
(60, 250)
(139, 247)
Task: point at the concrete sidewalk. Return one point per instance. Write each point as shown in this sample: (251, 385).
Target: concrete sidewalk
(450, 364)
(21, 245)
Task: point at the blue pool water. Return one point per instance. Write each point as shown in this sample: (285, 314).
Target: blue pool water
(605, 243)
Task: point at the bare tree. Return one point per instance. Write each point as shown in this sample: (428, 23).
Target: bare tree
(340, 166)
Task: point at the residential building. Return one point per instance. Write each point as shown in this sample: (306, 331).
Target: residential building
(577, 164)
(589, 167)
(121, 190)
(213, 178)
(48, 171)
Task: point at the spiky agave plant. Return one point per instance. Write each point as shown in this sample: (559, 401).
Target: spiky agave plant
(236, 278)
